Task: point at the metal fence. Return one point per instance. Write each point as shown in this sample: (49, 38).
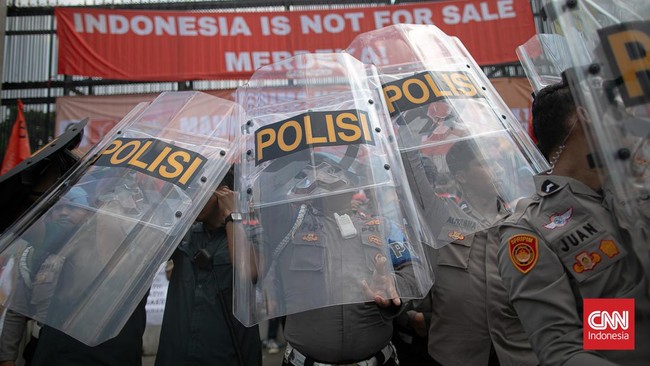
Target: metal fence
(30, 58)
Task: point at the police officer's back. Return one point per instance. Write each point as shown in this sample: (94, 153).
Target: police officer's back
(565, 245)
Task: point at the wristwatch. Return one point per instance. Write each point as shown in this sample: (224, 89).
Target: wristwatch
(234, 216)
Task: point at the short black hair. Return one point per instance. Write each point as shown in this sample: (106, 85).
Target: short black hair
(460, 154)
(552, 108)
(229, 179)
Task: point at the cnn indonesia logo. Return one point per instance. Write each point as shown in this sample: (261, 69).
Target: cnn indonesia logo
(608, 324)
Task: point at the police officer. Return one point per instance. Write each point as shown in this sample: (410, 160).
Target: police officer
(43, 268)
(335, 253)
(472, 321)
(565, 244)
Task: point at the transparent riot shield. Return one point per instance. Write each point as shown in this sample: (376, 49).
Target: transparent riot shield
(467, 158)
(609, 45)
(544, 57)
(86, 254)
(327, 216)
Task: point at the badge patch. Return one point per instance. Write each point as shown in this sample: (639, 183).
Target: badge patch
(548, 186)
(523, 249)
(559, 220)
(464, 206)
(374, 239)
(40, 277)
(609, 248)
(456, 235)
(586, 261)
(310, 237)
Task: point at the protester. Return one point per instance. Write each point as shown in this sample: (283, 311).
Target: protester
(198, 325)
(565, 244)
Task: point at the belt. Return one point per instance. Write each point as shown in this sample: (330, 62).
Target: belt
(295, 358)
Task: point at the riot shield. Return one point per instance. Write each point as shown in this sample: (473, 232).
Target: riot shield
(26, 182)
(544, 57)
(327, 218)
(86, 254)
(467, 157)
(609, 45)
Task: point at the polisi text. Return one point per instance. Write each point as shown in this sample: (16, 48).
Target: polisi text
(312, 129)
(426, 87)
(155, 158)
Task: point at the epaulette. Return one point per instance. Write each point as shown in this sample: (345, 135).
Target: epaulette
(521, 208)
(549, 187)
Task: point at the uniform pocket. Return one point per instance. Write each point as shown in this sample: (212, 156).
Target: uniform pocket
(47, 278)
(307, 257)
(456, 254)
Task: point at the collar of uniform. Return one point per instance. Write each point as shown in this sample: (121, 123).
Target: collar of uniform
(317, 211)
(549, 184)
(503, 208)
(198, 227)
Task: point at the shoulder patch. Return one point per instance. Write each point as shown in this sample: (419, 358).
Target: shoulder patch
(548, 186)
(523, 250)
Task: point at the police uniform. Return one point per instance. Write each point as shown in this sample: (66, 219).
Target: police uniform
(561, 246)
(320, 266)
(36, 284)
(471, 314)
(636, 225)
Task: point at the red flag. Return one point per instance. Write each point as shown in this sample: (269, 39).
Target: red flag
(18, 146)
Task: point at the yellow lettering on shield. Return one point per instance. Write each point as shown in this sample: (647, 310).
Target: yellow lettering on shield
(155, 158)
(627, 48)
(312, 129)
(427, 87)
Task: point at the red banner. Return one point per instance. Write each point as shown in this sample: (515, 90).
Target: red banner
(18, 146)
(173, 45)
(105, 111)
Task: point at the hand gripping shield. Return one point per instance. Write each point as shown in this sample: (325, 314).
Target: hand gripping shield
(327, 219)
(459, 141)
(85, 255)
(609, 47)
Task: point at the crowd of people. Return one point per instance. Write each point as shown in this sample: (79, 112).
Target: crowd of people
(510, 276)
(487, 307)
